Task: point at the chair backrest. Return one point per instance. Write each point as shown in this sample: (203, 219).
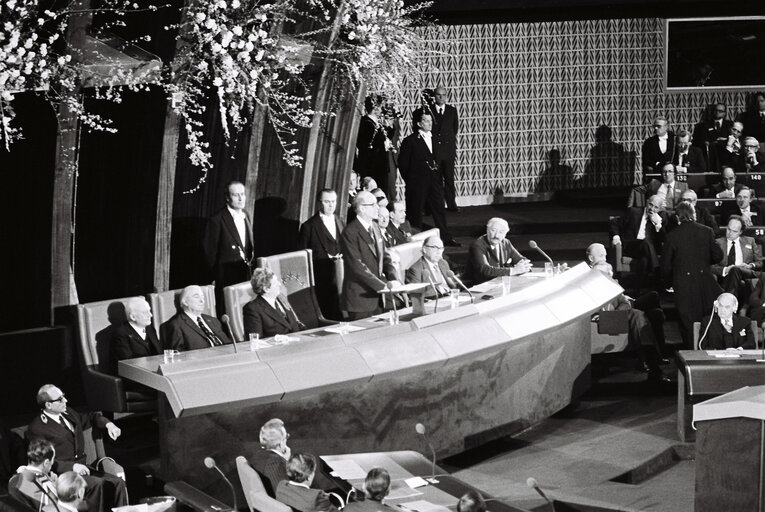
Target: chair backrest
(254, 492)
(166, 304)
(408, 254)
(235, 297)
(295, 271)
(97, 321)
(424, 235)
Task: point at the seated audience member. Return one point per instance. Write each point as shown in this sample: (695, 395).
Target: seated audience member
(659, 147)
(270, 312)
(376, 488)
(688, 158)
(728, 149)
(724, 329)
(399, 228)
(296, 492)
(743, 256)
(727, 188)
(64, 427)
(34, 485)
(668, 190)
(383, 220)
(368, 184)
(752, 158)
(645, 327)
(754, 118)
(713, 127)
(492, 255)
(641, 232)
(190, 329)
(743, 207)
(471, 501)
(136, 337)
(71, 489)
(432, 268)
(382, 199)
(703, 216)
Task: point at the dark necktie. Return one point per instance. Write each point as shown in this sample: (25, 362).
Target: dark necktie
(732, 254)
(211, 337)
(374, 239)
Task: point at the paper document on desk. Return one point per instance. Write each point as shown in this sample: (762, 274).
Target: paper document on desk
(535, 274)
(347, 469)
(405, 288)
(485, 287)
(399, 490)
(423, 506)
(724, 354)
(344, 330)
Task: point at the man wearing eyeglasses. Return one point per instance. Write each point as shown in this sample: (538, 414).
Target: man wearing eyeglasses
(432, 268)
(367, 266)
(658, 148)
(64, 428)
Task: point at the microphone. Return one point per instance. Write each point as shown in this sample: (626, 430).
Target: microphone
(534, 246)
(435, 290)
(420, 429)
(452, 275)
(224, 319)
(210, 463)
(532, 482)
(389, 286)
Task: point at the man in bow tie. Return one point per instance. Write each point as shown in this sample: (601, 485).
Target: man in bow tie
(658, 148)
(742, 258)
(724, 329)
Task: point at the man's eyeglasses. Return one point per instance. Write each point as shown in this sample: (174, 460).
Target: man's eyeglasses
(440, 248)
(63, 396)
(368, 204)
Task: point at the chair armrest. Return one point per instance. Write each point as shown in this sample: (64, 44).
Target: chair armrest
(192, 497)
(263, 502)
(104, 392)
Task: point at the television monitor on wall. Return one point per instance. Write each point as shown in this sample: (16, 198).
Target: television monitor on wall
(715, 53)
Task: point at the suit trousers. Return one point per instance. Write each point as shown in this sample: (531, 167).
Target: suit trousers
(738, 283)
(446, 166)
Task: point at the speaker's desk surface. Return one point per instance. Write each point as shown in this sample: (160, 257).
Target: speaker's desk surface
(472, 374)
(704, 374)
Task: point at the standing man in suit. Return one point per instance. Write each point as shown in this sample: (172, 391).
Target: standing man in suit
(228, 243)
(367, 266)
(713, 127)
(668, 190)
(743, 207)
(432, 268)
(754, 119)
(424, 183)
(703, 216)
(688, 158)
(724, 328)
(270, 312)
(641, 232)
(63, 427)
(445, 128)
(686, 263)
(658, 148)
(493, 255)
(190, 329)
(742, 257)
(136, 337)
(321, 234)
(399, 228)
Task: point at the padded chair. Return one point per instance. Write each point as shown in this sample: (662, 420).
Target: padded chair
(621, 263)
(697, 334)
(166, 304)
(104, 390)
(408, 254)
(235, 297)
(257, 498)
(424, 235)
(609, 332)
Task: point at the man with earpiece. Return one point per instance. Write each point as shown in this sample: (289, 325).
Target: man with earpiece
(724, 329)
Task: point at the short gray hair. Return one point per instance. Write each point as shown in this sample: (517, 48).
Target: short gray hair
(272, 433)
(498, 222)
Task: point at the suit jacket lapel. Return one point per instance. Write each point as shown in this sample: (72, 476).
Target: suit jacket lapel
(228, 221)
(274, 313)
(193, 325)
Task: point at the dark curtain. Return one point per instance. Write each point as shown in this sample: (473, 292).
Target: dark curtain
(117, 199)
(26, 199)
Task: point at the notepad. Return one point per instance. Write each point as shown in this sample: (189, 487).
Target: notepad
(347, 469)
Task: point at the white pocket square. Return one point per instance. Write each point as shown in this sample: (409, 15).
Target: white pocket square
(748, 246)
(742, 333)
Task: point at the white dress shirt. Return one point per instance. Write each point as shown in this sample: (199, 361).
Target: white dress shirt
(663, 143)
(240, 223)
(428, 138)
(329, 223)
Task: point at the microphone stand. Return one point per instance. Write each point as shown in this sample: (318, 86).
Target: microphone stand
(210, 463)
(225, 321)
(389, 286)
(459, 282)
(435, 290)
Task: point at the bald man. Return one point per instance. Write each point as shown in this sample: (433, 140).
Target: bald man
(432, 268)
(190, 329)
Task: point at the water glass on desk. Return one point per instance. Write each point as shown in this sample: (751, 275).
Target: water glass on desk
(170, 355)
(549, 269)
(506, 283)
(455, 296)
(254, 341)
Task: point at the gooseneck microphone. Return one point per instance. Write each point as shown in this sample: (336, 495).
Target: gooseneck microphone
(224, 319)
(389, 286)
(420, 429)
(435, 290)
(210, 463)
(452, 275)
(532, 482)
(534, 246)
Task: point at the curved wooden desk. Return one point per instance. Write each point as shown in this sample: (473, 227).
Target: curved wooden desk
(470, 374)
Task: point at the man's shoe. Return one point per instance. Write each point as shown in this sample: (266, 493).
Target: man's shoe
(452, 243)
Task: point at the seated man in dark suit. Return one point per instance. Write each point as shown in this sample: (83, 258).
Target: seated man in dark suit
(190, 329)
(724, 329)
(743, 207)
(703, 216)
(399, 228)
(383, 221)
(296, 492)
(376, 488)
(432, 268)
(688, 158)
(658, 148)
(669, 190)
(34, 485)
(727, 188)
(728, 148)
(742, 257)
(136, 337)
(753, 159)
(493, 255)
(270, 312)
(63, 427)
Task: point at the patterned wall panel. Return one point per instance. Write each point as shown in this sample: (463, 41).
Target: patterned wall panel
(588, 89)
